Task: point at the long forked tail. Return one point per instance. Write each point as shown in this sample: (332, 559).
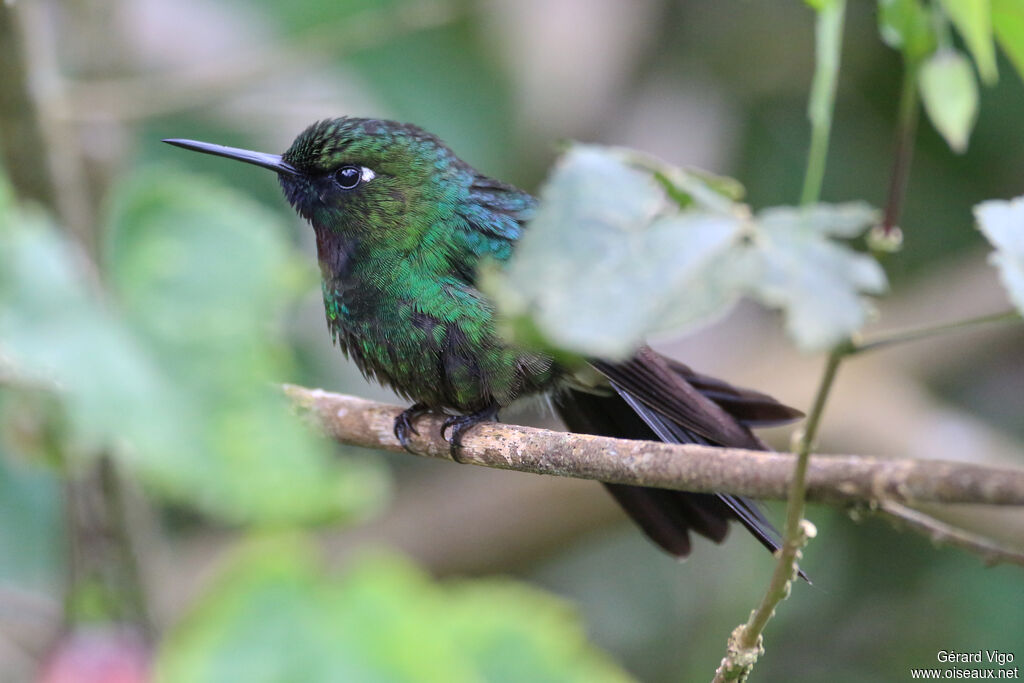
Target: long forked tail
(654, 398)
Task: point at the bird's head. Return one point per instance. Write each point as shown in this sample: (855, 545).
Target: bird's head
(370, 181)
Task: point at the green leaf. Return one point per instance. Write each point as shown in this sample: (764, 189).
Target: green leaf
(599, 269)
(1002, 222)
(273, 616)
(688, 187)
(177, 381)
(973, 19)
(55, 330)
(1008, 23)
(906, 25)
(202, 274)
(816, 281)
(950, 96)
(845, 221)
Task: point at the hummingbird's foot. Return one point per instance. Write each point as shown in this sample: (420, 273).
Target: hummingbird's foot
(404, 424)
(460, 424)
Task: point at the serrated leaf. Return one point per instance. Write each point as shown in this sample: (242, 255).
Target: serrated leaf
(816, 281)
(273, 616)
(1002, 223)
(1008, 24)
(710, 293)
(598, 270)
(693, 187)
(950, 96)
(905, 25)
(847, 220)
(973, 20)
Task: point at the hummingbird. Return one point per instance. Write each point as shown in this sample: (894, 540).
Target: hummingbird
(401, 225)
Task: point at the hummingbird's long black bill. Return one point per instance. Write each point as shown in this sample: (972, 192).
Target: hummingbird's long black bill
(272, 161)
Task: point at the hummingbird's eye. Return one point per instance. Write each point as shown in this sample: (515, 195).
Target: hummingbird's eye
(348, 177)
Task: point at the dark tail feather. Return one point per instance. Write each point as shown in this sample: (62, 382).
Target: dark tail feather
(666, 516)
(750, 408)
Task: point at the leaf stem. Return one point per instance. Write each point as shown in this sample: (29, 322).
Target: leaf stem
(745, 644)
(926, 331)
(828, 47)
(785, 569)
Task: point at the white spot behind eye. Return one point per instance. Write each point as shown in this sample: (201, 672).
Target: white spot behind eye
(367, 174)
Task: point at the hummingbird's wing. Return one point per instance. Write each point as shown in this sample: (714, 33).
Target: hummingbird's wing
(656, 398)
(751, 408)
(498, 209)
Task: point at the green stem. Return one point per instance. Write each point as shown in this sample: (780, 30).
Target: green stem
(785, 568)
(795, 505)
(917, 333)
(745, 642)
(828, 47)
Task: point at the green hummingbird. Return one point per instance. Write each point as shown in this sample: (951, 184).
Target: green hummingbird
(401, 225)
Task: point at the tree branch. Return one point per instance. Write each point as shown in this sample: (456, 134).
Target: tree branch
(833, 479)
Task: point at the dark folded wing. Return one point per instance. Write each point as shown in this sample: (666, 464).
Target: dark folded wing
(655, 399)
(749, 407)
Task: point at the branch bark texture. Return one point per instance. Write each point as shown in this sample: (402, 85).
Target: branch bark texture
(834, 479)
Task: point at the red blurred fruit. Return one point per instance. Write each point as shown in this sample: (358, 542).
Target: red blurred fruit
(98, 654)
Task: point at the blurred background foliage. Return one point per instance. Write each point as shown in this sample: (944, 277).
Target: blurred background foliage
(166, 293)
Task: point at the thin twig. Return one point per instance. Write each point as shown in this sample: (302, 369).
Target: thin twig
(943, 533)
(745, 643)
(833, 479)
(904, 151)
(924, 332)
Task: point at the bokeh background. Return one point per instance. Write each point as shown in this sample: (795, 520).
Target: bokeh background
(717, 85)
